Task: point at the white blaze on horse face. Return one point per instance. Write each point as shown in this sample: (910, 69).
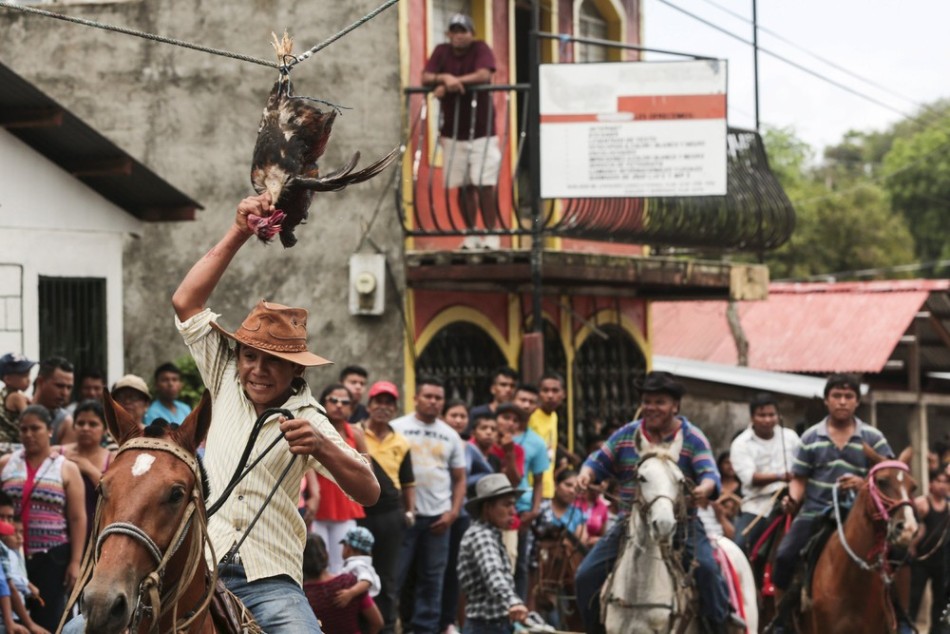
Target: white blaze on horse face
(143, 462)
(660, 481)
(905, 517)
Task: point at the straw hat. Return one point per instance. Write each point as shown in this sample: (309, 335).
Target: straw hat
(488, 488)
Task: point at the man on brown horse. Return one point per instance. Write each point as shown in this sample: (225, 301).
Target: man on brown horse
(264, 370)
(831, 451)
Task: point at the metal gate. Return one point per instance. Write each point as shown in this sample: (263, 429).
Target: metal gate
(462, 356)
(72, 320)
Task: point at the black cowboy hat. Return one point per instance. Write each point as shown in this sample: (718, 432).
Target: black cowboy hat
(662, 382)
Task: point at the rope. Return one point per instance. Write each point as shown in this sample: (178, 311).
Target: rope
(142, 34)
(333, 38)
(198, 47)
(844, 542)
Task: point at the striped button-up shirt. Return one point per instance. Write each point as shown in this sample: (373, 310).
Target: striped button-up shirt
(275, 545)
(820, 460)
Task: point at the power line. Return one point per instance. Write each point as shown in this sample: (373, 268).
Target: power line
(899, 268)
(782, 58)
(820, 58)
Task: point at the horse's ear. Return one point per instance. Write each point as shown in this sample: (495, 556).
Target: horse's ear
(676, 447)
(118, 421)
(872, 456)
(641, 442)
(907, 455)
(195, 426)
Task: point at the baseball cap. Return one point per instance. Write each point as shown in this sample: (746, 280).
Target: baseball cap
(13, 363)
(133, 382)
(7, 529)
(359, 538)
(384, 387)
(462, 20)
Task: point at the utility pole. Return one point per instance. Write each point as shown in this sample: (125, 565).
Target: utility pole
(755, 59)
(533, 348)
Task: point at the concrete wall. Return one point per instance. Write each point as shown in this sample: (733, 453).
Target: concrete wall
(192, 118)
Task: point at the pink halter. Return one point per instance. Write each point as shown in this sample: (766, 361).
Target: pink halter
(879, 498)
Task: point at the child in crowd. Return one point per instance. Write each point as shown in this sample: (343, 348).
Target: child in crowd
(321, 587)
(11, 548)
(15, 374)
(16, 586)
(358, 561)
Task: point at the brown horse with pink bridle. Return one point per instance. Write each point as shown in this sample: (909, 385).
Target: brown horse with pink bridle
(858, 579)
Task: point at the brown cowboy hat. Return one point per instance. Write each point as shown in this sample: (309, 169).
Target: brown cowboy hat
(278, 330)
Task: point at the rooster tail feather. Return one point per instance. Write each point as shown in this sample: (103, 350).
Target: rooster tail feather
(339, 179)
(283, 46)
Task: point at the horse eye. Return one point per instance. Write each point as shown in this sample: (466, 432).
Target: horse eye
(880, 482)
(177, 495)
(641, 478)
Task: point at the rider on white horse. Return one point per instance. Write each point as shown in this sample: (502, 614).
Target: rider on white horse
(618, 458)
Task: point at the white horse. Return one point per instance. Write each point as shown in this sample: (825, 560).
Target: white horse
(647, 593)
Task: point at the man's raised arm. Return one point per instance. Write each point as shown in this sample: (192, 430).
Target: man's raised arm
(196, 288)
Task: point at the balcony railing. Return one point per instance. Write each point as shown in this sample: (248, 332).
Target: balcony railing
(754, 215)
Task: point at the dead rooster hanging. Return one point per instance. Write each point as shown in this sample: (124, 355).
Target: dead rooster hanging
(292, 136)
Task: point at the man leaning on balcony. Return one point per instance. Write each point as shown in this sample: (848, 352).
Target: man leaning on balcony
(471, 157)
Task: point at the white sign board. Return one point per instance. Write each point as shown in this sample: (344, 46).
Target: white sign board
(633, 129)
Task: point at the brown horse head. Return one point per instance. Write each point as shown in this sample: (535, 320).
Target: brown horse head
(149, 490)
(891, 489)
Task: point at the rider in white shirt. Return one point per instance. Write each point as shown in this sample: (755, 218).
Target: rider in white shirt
(762, 457)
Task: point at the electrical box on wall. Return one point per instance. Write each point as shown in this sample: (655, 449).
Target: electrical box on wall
(367, 283)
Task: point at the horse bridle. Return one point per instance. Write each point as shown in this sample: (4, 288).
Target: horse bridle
(885, 507)
(679, 506)
(159, 603)
(675, 570)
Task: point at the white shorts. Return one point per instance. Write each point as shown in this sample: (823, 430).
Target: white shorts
(474, 162)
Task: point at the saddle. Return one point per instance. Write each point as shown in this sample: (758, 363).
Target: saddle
(229, 614)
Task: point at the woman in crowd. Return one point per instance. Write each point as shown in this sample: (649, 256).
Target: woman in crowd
(560, 511)
(336, 513)
(47, 492)
(87, 452)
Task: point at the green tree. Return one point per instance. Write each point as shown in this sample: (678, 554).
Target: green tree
(918, 180)
(843, 223)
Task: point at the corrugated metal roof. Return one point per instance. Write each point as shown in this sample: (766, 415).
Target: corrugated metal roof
(800, 385)
(60, 136)
(812, 328)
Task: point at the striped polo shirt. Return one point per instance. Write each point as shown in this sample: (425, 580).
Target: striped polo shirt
(820, 460)
(618, 458)
(275, 545)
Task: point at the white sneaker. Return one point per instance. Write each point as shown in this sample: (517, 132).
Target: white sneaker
(471, 243)
(451, 629)
(491, 243)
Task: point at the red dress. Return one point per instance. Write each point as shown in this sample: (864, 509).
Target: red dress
(334, 505)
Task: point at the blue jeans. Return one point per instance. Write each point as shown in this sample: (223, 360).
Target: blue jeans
(427, 555)
(483, 626)
(789, 551)
(593, 572)
(277, 603)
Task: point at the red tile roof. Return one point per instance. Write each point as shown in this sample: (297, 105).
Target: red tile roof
(804, 327)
